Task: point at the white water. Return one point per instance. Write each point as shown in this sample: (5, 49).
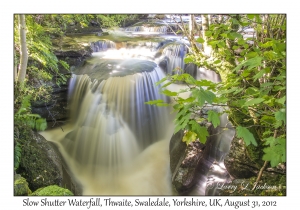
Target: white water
(114, 144)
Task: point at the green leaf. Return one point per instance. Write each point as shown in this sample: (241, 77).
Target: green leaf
(246, 46)
(200, 40)
(169, 93)
(276, 154)
(245, 73)
(167, 84)
(244, 133)
(208, 33)
(251, 55)
(270, 141)
(214, 118)
(182, 121)
(204, 83)
(267, 44)
(233, 35)
(250, 16)
(189, 137)
(252, 91)
(213, 43)
(186, 100)
(250, 63)
(201, 131)
(154, 102)
(235, 47)
(188, 60)
(41, 124)
(259, 75)
(281, 100)
(251, 102)
(241, 41)
(161, 81)
(221, 44)
(281, 115)
(208, 96)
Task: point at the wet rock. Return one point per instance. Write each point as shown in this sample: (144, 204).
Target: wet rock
(55, 110)
(77, 29)
(238, 163)
(183, 161)
(42, 164)
(81, 51)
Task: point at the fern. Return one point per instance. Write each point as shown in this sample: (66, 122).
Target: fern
(24, 117)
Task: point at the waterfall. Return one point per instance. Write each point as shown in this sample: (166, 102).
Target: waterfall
(102, 45)
(112, 130)
(154, 29)
(114, 143)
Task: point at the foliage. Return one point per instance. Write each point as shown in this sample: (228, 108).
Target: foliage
(190, 111)
(253, 72)
(24, 117)
(58, 23)
(42, 62)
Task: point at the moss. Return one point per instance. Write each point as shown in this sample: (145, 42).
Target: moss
(35, 166)
(52, 190)
(21, 187)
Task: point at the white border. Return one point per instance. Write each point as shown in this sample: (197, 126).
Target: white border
(8, 8)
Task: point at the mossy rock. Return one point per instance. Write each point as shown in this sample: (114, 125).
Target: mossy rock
(21, 186)
(52, 190)
(40, 164)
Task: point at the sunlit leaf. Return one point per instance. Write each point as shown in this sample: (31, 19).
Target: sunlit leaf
(169, 93)
(189, 137)
(250, 16)
(201, 131)
(254, 101)
(281, 100)
(244, 133)
(214, 118)
(154, 102)
(200, 40)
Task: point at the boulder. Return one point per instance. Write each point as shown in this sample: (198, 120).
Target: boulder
(55, 110)
(21, 186)
(184, 160)
(238, 163)
(52, 190)
(42, 164)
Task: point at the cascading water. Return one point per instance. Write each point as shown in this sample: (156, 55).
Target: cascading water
(102, 45)
(113, 135)
(115, 144)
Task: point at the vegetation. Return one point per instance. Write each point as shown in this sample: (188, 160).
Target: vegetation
(52, 190)
(21, 187)
(253, 87)
(36, 71)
